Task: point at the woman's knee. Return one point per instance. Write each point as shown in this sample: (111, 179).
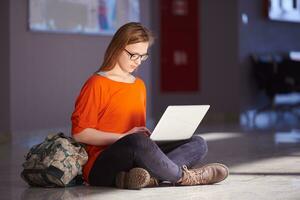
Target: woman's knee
(200, 143)
(138, 140)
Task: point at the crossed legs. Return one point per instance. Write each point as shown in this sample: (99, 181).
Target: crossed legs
(163, 162)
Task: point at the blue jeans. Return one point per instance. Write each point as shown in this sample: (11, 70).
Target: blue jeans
(163, 162)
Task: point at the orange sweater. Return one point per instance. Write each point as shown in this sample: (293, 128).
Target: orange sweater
(109, 106)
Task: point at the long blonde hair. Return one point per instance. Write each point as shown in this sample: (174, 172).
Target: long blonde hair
(129, 33)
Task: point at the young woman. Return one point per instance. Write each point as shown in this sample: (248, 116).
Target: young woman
(110, 117)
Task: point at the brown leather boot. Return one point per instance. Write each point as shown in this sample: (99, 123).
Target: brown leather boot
(208, 174)
(153, 182)
(136, 178)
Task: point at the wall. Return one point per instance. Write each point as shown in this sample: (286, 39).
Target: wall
(219, 72)
(48, 70)
(261, 35)
(4, 69)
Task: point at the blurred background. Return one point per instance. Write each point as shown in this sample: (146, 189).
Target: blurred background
(216, 45)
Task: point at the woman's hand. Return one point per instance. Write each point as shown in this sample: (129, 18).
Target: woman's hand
(140, 129)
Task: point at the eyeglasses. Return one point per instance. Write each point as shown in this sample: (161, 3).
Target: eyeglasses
(133, 56)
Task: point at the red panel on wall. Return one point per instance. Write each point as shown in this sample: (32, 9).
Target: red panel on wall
(179, 45)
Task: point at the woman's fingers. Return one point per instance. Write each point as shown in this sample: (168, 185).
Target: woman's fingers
(147, 131)
(144, 130)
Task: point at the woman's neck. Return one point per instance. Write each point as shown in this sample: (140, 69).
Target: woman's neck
(118, 74)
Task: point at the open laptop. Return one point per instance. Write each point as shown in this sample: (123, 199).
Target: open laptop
(179, 122)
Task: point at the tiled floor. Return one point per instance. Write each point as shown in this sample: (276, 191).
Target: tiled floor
(263, 165)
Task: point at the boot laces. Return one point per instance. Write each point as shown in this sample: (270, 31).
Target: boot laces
(193, 176)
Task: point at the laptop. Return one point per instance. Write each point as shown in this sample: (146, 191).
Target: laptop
(178, 122)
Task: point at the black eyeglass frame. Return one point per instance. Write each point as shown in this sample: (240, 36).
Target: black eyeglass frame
(134, 56)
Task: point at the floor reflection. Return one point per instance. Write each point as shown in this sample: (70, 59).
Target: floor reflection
(48, 194)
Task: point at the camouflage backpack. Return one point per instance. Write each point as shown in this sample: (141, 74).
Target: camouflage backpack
(56, 162)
